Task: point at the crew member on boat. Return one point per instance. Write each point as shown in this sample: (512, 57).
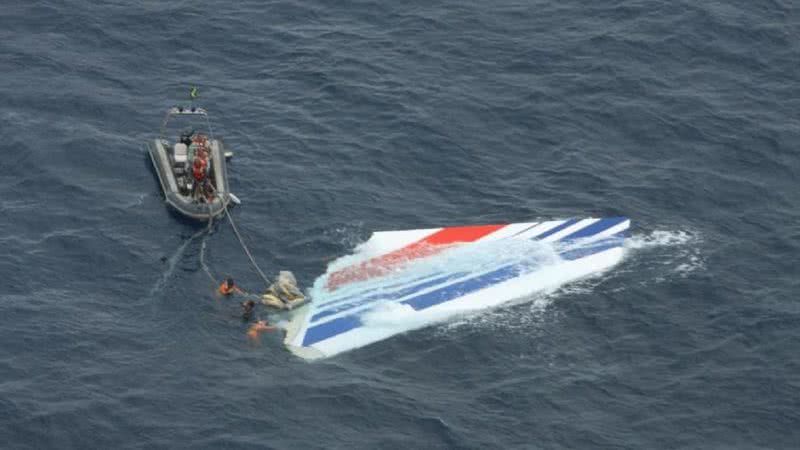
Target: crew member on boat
(199, 174)
(200, 166)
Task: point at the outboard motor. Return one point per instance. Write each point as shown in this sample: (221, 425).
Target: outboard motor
(186, 137)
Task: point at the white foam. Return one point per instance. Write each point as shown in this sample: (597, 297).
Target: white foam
(468, 260)
(681, 253)
(660, 238)
(551, 279)
(385, 319)
(653, 256)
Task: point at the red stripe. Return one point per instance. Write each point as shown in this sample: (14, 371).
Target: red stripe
(430, 245)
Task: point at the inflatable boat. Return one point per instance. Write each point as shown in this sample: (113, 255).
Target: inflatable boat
(190, 164)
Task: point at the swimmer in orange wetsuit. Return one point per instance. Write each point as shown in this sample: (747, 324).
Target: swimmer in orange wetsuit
(228, 287)
(257, 328)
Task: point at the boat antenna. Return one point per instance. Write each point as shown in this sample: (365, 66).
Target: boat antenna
(193, 94)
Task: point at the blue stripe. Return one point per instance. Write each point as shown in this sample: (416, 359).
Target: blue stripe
(556, 229)
(616, 240)
(463, 288)
(595, 228)
(387, 296)
(345, 295)
(498, 276)
(328, 329)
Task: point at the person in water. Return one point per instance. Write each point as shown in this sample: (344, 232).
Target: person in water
(228, 287)
(257, 328)
(247, 310)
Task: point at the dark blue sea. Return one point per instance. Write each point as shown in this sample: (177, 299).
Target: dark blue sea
(352, 116)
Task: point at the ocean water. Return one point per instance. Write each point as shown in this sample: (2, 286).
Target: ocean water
(353, 116)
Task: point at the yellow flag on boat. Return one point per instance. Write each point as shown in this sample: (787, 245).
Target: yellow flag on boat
(193, 93)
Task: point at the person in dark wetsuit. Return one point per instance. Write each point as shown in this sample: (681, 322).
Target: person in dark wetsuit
(247, 310)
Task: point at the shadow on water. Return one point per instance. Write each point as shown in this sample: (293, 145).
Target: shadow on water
(200, 229)
(172, 261)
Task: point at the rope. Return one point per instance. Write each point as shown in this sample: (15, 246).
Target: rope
(267, 283)
(206, 269)
(244, 246)
(208, 230)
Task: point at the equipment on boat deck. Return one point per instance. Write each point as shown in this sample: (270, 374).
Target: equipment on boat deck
(191, 166)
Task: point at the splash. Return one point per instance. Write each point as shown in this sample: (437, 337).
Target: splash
(661, 238)
(671, 253)
(541, 279)
(456, 282)
(654, 257)
(450, 264)
(423, 286)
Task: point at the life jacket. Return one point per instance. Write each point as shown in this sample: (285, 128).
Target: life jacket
(225, 290)
(199, 169)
